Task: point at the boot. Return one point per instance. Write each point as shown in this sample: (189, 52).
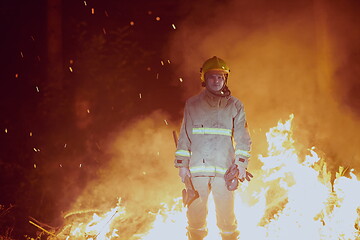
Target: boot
(196, 234)
(231, 236)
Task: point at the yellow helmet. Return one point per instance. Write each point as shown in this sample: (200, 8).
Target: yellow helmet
(213, 63)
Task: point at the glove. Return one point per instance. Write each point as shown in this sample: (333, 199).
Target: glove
(234, 174)
(244, 175)
(183, 172)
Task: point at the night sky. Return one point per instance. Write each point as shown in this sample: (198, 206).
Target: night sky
(114, 76)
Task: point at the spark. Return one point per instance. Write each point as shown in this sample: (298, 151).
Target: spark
(70, 68)
(34, 165)
(181, 80)
(173, 26)
(60, 165)
(157, 18)
(166, 122)
(80, 165)
(65, 145)
(92, 11)
(168, 61)
(16, 75)
(85, 3)
(21, 53)
(6, 131)
(140, 95)
(162, 63)
(132, 23)
(157, 75)
(37, 89)
(88, 110)
(144, 173)
(35, 149)
(30, 134)
(104, 31)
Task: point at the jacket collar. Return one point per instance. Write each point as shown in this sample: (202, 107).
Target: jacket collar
(213, 100)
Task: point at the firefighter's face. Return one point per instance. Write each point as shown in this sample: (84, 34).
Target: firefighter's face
(215, 81)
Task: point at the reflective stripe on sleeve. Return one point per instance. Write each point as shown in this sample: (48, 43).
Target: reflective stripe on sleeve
(183, 153)
(207, 169)
(216, 131)
(243, 153)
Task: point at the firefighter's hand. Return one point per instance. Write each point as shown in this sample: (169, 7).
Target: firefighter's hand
(183, 172)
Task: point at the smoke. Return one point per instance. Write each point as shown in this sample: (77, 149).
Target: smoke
(140, 171)
(284, 58)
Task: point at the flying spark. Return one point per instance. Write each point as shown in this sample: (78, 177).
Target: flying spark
(140, 95)
(16, 75)
(85, 3)
(181, 80)
(173, 26)
(168, 61)
(132, 23)
(37, 89)
(34, 165)
(6, 131)
(70, 68)
(162, 63)
(92, 11)
(22, 55)
(30, 134)
(157, 18)
(166, 122)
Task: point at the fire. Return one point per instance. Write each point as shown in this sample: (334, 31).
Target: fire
(290, 197)
(99, 227)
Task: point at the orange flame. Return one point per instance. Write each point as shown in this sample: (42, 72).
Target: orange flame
(289, 198)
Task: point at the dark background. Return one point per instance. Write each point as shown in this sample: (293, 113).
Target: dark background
(51, 124)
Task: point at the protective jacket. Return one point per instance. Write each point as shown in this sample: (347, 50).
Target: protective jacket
(213, 135)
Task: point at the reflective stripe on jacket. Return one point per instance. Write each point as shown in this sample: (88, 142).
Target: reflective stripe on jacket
(211, 127)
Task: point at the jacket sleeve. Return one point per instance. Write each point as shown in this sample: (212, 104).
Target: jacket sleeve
(183, 151)
(241, 137)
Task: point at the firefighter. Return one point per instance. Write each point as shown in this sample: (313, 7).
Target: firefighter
(213, 137)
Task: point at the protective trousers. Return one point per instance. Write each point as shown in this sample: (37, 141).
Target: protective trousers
(224, 205)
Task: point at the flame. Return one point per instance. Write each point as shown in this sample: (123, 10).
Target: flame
(97, 228)
(290, 197)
